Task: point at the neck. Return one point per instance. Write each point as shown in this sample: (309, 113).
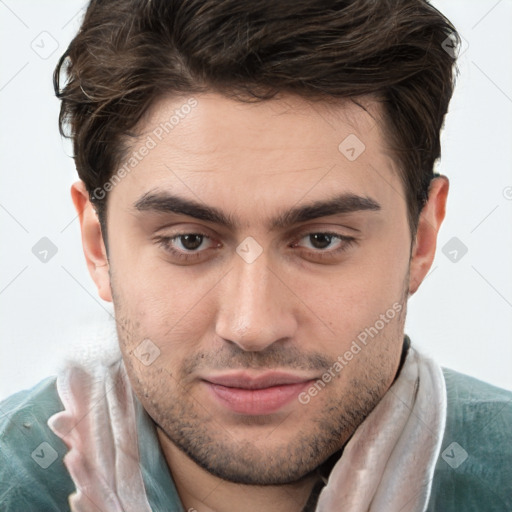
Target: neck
(201, 491)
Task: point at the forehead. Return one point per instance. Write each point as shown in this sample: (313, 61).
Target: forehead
(279, 151)
(217, 123)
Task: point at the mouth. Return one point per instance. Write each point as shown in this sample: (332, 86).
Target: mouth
(251, 394)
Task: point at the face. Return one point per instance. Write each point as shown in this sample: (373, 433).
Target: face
(259, 268)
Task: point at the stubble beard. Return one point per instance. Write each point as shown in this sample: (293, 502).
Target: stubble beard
(195, 431)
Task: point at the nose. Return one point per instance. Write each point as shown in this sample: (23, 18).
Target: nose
(256, 306)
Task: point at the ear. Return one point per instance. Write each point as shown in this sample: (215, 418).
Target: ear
(92, 241)
(430, 220)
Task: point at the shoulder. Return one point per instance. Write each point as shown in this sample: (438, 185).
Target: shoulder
(32, 474)
(474, 469)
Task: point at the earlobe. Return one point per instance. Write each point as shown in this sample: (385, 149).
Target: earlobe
(430, 221)
(92, 240)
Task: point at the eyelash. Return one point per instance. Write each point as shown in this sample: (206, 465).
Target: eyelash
(346, 243)
(165, 241)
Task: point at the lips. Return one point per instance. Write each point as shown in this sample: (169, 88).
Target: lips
(246, 381)
(248, 394)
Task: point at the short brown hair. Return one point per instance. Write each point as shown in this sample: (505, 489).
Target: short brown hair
(128, 53)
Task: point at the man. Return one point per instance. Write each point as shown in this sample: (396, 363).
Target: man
(257, 199)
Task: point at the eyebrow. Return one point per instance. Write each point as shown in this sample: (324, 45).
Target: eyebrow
(163, 202)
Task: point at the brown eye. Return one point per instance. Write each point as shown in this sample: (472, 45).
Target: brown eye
(324, 242)
(320, 240)
(188, 248)
(191, 242)
(323, 247)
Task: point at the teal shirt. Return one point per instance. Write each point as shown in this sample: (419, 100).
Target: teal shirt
(479, 421)
(473, 472)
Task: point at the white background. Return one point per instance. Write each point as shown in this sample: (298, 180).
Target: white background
(462, 314)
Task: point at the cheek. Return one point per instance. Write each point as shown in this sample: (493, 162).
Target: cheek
(384, 274)
(363, 319)
(147, 382)
(362, 292)
(149, 360)
(150, 290)
(165, 316)
(366, 297)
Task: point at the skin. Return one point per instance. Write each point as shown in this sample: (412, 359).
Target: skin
(296, 308)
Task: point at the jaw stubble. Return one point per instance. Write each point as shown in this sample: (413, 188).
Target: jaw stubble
(297, 446)
(292, 449)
